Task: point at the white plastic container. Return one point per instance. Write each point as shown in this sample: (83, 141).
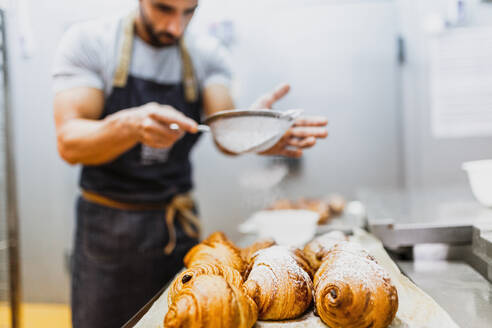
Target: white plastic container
(480, 177)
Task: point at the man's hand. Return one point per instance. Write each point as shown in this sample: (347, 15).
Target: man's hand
(268, 99)
(152, 121)
(303, 133)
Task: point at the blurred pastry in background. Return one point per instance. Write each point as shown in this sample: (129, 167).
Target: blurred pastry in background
(336, 203)
(333, 206)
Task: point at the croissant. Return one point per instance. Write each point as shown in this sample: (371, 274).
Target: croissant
(315, 205)
(219, 237)
(352, 290)
(278, 284)
(232, 276)
(248, 252)
(336, 204)
(215, 249)
(208, 301)
(318, 247)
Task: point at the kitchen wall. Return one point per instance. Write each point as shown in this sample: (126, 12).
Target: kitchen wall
(341, 60)
(339, 56)
(430, 161)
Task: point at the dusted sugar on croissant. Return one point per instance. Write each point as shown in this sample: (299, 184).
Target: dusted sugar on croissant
(278, 284)
(208, 301)
(232, 276)
(216, 249)
(319, 247)
(248, 252)
(352, 290)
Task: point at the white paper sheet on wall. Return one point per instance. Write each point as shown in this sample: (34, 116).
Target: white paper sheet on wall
(461, 83)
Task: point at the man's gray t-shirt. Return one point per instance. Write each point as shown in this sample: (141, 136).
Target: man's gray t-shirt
(88, 54)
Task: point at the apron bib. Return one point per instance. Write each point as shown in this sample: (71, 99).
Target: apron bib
(144, 174)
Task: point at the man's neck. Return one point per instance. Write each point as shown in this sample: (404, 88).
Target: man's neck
(141, 31)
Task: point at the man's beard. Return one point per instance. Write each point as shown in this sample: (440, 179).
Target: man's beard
(154, 37)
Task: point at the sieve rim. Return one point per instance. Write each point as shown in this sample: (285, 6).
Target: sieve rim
(246, 112)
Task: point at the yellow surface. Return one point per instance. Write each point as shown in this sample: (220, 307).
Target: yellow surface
(38, 315)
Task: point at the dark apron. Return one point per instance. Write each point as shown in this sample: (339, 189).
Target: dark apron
(119, 262)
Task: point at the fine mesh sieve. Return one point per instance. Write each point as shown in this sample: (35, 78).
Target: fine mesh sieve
(250, 131)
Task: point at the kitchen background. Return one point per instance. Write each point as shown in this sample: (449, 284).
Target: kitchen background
(365, 64)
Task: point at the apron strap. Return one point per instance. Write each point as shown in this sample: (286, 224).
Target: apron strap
(120, 77)
(182, 204)
(179, 208)
(190, 85)
(121, 73)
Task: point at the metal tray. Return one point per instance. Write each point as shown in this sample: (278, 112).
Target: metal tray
(407, 217)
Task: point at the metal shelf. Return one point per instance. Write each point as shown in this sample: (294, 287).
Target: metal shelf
(10, 284)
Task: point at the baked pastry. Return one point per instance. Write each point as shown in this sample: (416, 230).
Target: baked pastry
(352, 290)
(277, 282)
(248, 252)
(315, 205)
(336, 204)
(215, 249)
(232, 276)
(218, 237)
(319, 246)
(208, 301)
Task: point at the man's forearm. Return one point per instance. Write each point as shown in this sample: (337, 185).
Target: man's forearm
(92, 142)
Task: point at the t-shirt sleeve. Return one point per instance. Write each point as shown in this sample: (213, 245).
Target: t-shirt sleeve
(78, 61)
(217, 65)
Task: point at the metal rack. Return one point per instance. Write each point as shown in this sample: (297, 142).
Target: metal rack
(9, 246)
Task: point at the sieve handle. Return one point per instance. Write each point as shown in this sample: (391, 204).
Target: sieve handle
(201, 127)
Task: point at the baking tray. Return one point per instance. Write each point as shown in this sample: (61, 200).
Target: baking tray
(416, 308)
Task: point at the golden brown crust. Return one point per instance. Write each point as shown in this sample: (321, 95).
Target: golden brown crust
(218, 237)
(208, 301)
(216, 249)
(278, 284)
(352, 290)
(319, 247)
(232, 276)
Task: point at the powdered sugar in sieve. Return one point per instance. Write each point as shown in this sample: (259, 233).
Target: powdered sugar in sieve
(240, 134)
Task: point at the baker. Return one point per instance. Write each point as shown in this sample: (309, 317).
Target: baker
(119, 84)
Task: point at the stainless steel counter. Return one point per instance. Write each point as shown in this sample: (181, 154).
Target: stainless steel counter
(457, 287)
